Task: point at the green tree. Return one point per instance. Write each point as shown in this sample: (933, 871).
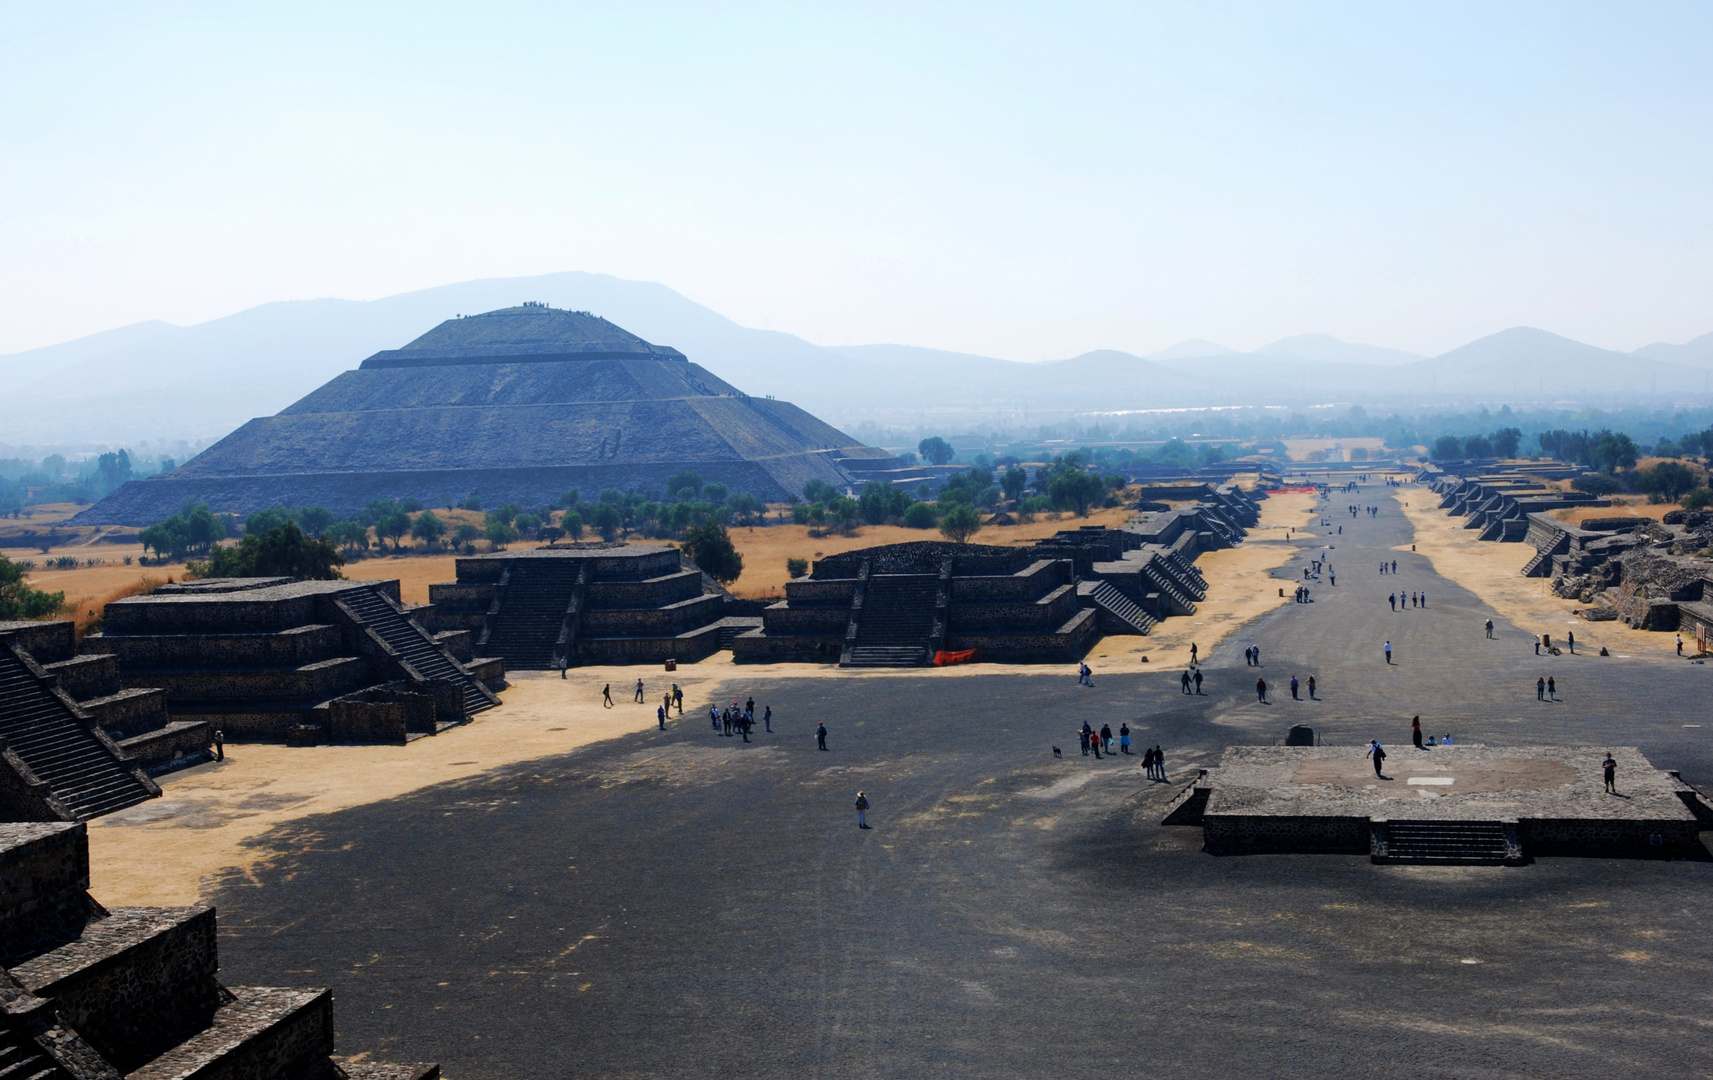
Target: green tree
(796, 568)
(281, 552)
(570, 499)
(1699, 499)
(1667, 481)
(500, 534)
(819, 491)
(710, 548)
(844, 512)
(935, 449)
(272, 518)
(466, 533)
(746, 508)
(1597, 484)
(1447, 448)
(919, 515)
(1506, 441)
(393, 525)
(572, 523)
(960, 523)
(683, 486)
(1013, 483)
(526, 524)
(1614, 450)
(20, 600)
(427, 529)
(1477, 446)
(1074, 489)
(715, 493)
(314, 520)
(349, 536)
(607, 520)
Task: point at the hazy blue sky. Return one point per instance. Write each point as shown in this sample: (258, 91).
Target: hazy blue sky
(1022, 181)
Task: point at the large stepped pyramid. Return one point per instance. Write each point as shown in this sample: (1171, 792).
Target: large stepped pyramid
(517, 404)
(94, 994)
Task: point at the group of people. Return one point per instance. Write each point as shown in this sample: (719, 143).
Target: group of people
(739, 720)
(1092, 741)
(1389, 567)
(1373, 511)
(1400, 600)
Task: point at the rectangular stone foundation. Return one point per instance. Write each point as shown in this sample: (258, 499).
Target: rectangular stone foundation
(1551, 800)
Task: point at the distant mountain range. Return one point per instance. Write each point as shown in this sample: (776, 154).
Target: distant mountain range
(153, 380)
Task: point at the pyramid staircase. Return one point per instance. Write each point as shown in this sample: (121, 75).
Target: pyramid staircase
(1105, 596)
(896, 621)
(416, 646)
(1188, 573)
(1178, 600)
(528, 613)
(82, 769)
(1445, 843)
(1538, 566)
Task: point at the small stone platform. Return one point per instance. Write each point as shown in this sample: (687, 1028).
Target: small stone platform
(1444, 804)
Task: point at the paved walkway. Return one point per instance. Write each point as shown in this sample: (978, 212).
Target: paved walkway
(686, 905)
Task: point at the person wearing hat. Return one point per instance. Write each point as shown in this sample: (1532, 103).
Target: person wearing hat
(862, 810)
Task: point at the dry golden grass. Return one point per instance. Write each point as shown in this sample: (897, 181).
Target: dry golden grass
(1636, 506)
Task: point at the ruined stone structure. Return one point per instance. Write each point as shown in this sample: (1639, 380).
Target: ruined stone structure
(64, 752)
(519, 404)
(593, 603)
(1453, 804)
(94, 994)
(927, 602)
(1499, 503)
(270, 658)
(1634, 570)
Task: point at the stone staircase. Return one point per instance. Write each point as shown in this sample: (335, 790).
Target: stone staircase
(1444, 842)
(416, 646)
(22, 1059)
(1120, 607)
(1177, 599)
(896, 622)
(1538, 566)
(531, 607)
(1188, 573)
(82, 769)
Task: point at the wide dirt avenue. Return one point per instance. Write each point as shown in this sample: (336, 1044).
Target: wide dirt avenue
(681, 904)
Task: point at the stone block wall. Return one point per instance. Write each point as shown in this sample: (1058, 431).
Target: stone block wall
(1235, 834)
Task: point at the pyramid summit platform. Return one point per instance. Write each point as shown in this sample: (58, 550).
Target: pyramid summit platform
(518, 404)
(1443, 804)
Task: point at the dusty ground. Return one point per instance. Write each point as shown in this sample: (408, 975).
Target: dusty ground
(1299, 449)
(1622, 506)
(1493, 571)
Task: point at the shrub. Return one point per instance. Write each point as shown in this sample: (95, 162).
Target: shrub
(1597, 484)
(1667, 481)
(960, 523)
(427, 529)
(410, 506)
(281, 552)
(472, 503)
(796, 568)
(683, 486)
(710, 548)
(20, 600)
(819, 491)
(571, 498)
(1698, 499)
(607, 520)
(919, 515)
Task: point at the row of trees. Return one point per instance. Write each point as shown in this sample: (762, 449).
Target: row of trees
(1503, 443)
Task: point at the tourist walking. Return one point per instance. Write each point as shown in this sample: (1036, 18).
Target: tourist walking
(678, 698)
(1392, 598)
(1378, 753)
(1198, 680)
(1148, 762)
(1388, 652)
(564, 662)
(1311, 688)
(1184, 682)
(1193, 652)
(639, 691)
(1551, 689)
(862, 810)
(1106, 736)
(767, 719)
(1416, 732)
(1570, 640)
(1257, 651)
(1540, 689)
(1294, 685)
(219, 745)
(1423, 597)
(714, 715)
(1083, 737)
(1610, 768)
(660, 716)
(1489, 627)
(1084, 675)
(1124, 738)
(1261, 690)
(1159, 763)
(745, 722)
(820, 736)
(607, 696)
(1094, 744)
